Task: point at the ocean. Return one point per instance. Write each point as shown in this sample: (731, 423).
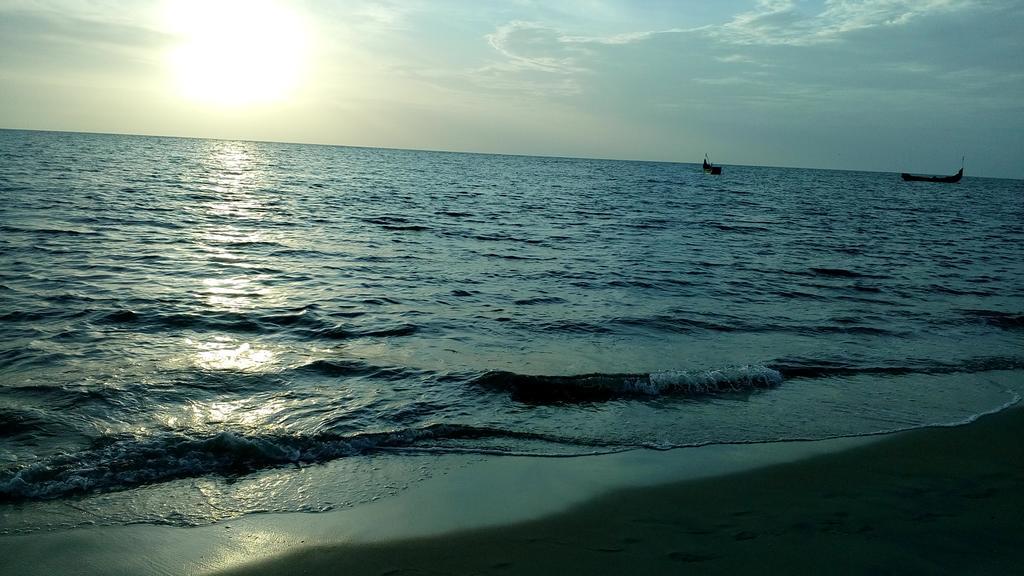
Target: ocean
(194, 330)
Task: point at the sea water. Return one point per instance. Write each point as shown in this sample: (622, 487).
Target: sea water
(192, 330)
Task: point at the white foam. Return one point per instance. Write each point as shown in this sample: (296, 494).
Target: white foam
(709, 381)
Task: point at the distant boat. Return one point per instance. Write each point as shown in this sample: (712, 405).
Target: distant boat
(945, 179)
(710, 168)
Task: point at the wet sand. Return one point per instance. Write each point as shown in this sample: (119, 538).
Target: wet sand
(932, 501)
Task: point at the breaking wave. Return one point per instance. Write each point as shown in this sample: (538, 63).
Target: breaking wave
(817, 368)
(122, 462)
(601, 387)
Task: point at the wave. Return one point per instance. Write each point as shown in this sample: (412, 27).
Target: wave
(602, 387)
(840, 273)
(355, 368)
(1004, 320)
(504, 238)
(24, 358)
(539, 300)
(515, 257)
(740, 228)
(18, 421)
(680, 324)
(631, 284)
(48, 231)
(723, 323)
(396, 223)
(571, 327)
(30, 315)
(404, 329)
(817, 368)
(301, 321)
(122, 462)
(957, 292)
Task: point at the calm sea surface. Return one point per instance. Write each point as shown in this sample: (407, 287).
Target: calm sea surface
(191, 330)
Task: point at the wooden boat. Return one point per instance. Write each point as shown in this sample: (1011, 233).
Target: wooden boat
(946, 179)
(710, 168)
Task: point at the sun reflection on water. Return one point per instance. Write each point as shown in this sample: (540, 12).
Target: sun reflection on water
(227, 244)
(234, 293)
(242, 417)
(238, 412)
(226, 353)
(231, 171)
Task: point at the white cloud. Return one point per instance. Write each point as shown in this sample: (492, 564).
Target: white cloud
(542, 47)
(543, 60)
(624, 38)
(381, 15)
(529, 45)
(782, 22)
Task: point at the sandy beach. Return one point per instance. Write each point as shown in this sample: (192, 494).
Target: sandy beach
(932, 501)
(927, 501)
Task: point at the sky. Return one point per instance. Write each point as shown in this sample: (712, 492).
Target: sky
(881, 85)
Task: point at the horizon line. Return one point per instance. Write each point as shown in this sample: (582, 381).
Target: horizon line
(443, 151)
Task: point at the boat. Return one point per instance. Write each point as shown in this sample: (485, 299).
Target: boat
(947, 179)
(710, 168)
(944, 179)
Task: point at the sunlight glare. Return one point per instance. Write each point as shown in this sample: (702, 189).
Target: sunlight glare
(221, 353)
(236, 52)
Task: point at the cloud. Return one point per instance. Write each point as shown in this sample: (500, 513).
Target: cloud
(387, 15)
(529, 45)
(47, 24)
(39, 41)
(898, 45)
(544, 60)
(544, 47)
(369, 16)
(624, 38)
(782, 22)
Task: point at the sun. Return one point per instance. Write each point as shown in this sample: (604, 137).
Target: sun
(236, 52)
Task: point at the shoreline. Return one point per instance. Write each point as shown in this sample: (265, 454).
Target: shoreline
(944, 500)
(931, 500)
